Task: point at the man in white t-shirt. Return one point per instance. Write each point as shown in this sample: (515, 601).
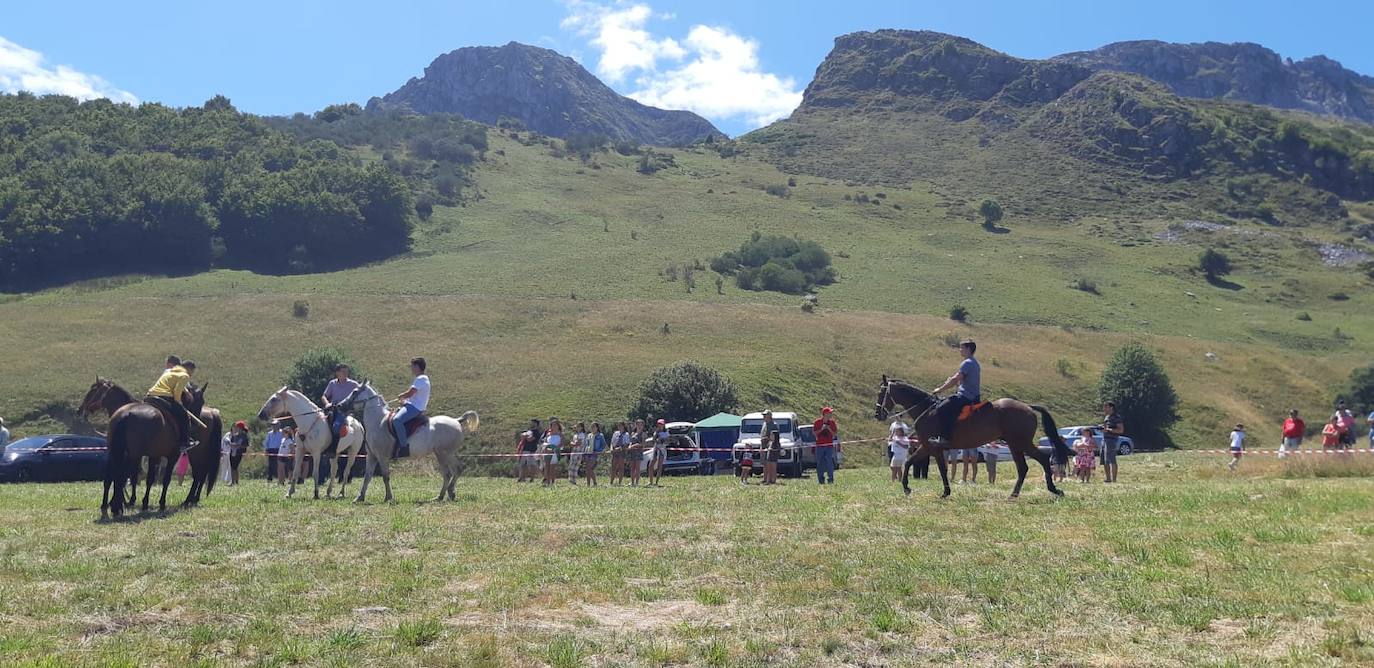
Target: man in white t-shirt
(416, 401)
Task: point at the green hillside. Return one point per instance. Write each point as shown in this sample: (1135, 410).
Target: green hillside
(546, 294)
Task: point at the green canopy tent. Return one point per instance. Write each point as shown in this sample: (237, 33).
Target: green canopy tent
(718, 433)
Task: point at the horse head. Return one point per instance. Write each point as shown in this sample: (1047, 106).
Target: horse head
(884, 403)
(197, 397)
(275, 406)
(95, 396)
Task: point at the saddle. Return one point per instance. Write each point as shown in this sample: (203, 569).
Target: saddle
(411, 427)
(169, 416)
(968, 411)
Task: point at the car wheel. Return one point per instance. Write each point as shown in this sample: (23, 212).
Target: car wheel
(1126, 449)
(25, 475)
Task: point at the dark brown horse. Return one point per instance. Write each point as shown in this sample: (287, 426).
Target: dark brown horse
(105, 395)
(1007, 420)
(139, 430)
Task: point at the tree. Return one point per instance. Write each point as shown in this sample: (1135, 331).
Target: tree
(313, 369)
(1137, 383)
(1360, 392)
(1214, 263)
(991, 212)
(686, 391)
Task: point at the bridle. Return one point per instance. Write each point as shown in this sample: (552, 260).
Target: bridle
(886, 395)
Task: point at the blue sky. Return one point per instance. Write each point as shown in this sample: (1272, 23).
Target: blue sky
(740, 63)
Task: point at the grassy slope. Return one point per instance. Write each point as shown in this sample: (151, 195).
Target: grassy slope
(486, 296)
(1211, 569)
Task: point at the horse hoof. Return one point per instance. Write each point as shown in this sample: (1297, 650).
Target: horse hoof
(945, 495)
(1013, 497)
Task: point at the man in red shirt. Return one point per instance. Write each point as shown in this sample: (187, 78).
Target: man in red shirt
(1293, 430)
(826, 442)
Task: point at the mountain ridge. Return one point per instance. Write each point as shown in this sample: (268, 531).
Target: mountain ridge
(545, 91)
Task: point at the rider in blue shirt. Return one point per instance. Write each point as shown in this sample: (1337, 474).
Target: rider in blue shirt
(968, 379)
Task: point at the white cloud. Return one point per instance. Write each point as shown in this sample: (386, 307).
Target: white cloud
(713, 71)
(25, 69)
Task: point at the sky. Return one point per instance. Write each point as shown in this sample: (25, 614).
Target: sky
(740, 63)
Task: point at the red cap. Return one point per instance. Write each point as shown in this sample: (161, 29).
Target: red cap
(827, 409)
(241, 425)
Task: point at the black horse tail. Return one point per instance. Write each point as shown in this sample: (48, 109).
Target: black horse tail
(216, 432)
(116, 457)
(1052, 431)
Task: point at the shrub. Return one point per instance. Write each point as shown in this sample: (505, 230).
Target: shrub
(1085, 285)
(991, 212)
(1144, 397)
(791, 182)
(1305, 316)
(720, 285)
(1064, 367)
(300, 309)
(777, 263)
(686, 391)
(424, 207)
(1359, 390)
(777, 190)
(1214, 263)
(958, 314)
(313, 369)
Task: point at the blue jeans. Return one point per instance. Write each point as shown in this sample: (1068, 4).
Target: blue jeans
(407, 413)
(340, 419)
(825, 465)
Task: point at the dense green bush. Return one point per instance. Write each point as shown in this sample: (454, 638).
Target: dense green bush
(688, 391)
(1359, 392)
(1214, 263)
(1144, 397)
(776, 263)
(96, 188)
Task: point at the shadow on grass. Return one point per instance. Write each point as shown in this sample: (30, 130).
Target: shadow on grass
(141, 516)
(995, 229)
(1219, 282)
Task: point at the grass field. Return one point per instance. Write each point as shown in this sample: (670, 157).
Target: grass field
(1181, 563)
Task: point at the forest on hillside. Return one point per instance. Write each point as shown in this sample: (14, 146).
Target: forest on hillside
(95, 188)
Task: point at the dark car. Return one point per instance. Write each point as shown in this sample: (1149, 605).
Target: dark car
(55, 458)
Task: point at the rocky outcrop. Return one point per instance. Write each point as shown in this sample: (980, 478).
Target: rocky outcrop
(1243, 72)
(547, 92)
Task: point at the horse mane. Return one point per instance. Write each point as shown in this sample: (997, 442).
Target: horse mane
(910, 386)
(114, 387)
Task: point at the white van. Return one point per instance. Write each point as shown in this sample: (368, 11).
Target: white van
(750, 438)
(683, 457)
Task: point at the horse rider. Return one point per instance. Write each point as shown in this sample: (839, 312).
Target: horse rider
(415, 399)
(169, 392)
(968, 379)
(340, 388)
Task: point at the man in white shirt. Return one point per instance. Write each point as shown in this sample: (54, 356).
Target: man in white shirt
(416, 401)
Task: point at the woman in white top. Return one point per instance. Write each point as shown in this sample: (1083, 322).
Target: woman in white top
(900, 446)
(225, 448)
(553, 440)
(285, 454)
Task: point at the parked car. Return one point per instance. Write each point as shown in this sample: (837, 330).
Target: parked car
(687, 461)
(750, 437)
(53, 458)
(1072, 434)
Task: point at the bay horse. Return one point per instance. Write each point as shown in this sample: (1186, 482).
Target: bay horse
(139, 429)
(443, 435)
(1004, 419)
(106, 395)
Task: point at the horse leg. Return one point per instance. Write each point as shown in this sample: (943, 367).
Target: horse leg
(450, 463)
(132, 481)
(315, 473)
(1019, 456)
(906, 468)
(166, 481)
(939, 456)
(367, 477)
(1045, 464)
(386, 481)
(295, 470)
(148, 482)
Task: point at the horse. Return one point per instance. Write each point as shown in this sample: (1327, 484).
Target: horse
(443, 435)
(105, 394)
(140, 430)
(312, 433)
(1004, 419)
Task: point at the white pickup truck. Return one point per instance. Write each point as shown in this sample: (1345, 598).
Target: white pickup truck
(750, 438)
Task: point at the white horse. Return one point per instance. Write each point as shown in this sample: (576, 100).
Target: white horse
(312, 433)
(442, 436)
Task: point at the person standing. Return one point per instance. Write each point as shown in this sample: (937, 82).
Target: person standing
(271, 444)
(596, 444)
(576, 448)
(970, 459)
(1237, 445)
(1112, 429)
(416, 400)
(620, 440)
(226, 456)
(660, 453)
(553, 441)
(827, 441)
(4, 434)
(990, 460)
(285, 454)
(772, 453)
(1293, 430)
(1331, 435)
(238, 446)
(526, 452)
(1085, 459)
(898, 444)
(635, 452)
(1345, 422)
